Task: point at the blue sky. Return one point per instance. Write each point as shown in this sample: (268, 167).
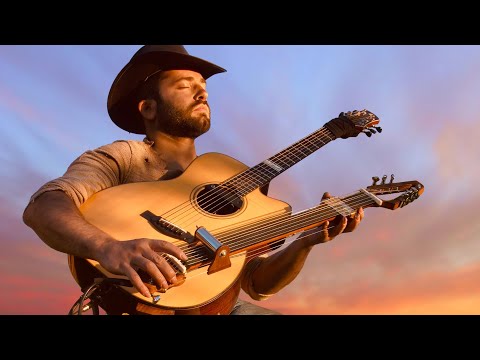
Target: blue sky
(53, 107)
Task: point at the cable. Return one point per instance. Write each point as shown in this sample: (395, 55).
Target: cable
(99, 284)
(86, 295)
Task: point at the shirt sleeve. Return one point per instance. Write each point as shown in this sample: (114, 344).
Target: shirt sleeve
(247, 279)
(91, 172)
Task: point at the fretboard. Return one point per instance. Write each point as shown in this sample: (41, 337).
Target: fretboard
(264, 172)
(273, 228)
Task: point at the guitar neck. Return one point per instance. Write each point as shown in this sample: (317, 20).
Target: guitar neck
(273, 228)
(264, 172)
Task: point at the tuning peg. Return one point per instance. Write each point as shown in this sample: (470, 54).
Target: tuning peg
(372, 130)
(368, 133)
(392, 177)
(384, 177)
(413, 195)
(379, 129)
(375, 180)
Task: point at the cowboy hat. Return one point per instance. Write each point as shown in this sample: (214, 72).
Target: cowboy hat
(148, 60)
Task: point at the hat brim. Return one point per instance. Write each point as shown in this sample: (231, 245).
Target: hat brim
(121, 105)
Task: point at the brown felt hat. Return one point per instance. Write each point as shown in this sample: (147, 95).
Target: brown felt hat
(149, 59)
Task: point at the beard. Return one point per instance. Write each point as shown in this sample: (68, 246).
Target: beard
(182, 122)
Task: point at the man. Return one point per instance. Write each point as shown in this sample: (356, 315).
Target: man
(161, 93)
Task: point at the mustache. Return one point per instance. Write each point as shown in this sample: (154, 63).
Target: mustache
(194, 105)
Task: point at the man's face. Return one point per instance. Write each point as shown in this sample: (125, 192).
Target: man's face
(182, 108)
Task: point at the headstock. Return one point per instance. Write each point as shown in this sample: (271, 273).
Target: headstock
(364, 121)
(409, 190)
(352, 123)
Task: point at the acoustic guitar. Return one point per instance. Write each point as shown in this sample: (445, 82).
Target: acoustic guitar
(218, 212)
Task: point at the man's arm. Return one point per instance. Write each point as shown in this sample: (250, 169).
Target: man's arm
(58, 222)
(275, 272)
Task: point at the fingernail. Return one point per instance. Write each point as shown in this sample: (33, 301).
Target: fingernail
(173, 280)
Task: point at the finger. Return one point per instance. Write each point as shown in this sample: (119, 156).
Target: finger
(339, 228)
(353, 222)
(154, 271)
(322, 236)
(361, 213)
(351, 225)
(163, 265)
(137, 282)
(167, 247)
(317, 235)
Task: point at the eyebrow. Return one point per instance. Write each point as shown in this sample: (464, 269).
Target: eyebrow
(190, 78)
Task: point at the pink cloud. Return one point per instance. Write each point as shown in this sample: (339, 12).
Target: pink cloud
(28, 295)
(430, 293)
(457, 150)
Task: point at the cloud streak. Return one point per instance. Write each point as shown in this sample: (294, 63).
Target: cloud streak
(421, 259)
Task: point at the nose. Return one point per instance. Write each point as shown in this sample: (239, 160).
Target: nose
(202, 94)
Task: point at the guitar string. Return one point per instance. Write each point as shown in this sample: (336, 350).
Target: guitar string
(264, 250)
(196, 255)
(237, 241)
(267, 248)
(243, 241)
(248, 255)
(353, 200)
(292, 223)
(240, 181)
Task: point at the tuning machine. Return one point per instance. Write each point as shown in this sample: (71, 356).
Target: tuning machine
(410, 196)
(384, 179)
(373, 130)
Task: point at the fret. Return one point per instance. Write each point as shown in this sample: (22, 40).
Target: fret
(264, 172)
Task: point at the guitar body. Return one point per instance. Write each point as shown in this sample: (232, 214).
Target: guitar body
(117, 211)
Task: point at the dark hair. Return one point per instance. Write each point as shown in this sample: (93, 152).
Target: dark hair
(148, 89)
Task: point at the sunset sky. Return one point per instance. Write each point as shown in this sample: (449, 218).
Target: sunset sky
(420, 259)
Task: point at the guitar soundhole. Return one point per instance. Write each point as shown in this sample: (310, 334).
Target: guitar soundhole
(219, 200)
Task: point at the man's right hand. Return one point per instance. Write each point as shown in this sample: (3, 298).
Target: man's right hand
(129, 256)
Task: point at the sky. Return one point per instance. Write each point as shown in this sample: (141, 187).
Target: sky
(421, 259)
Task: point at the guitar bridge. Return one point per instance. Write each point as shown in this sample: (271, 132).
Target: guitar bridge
(166, 227)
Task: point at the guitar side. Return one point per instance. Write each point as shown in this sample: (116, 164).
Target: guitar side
(117, 211)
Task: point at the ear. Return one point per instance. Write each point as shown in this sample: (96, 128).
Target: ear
(148, 108)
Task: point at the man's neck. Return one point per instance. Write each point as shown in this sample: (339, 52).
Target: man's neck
(177, 152)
